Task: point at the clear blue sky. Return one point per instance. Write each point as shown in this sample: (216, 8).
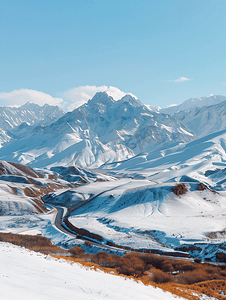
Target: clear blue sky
(141, 47)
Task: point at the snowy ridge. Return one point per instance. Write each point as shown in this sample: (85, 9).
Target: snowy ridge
(198, 160)
(204, 120)
(193, 103)
(30, 113)
(27, 115)
(100, 131)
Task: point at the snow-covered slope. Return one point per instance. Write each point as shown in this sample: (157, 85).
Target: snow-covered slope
(141, 210)
(102, 130)
(79, 176)
(21, 189)
(28, 275)
(204, 120)
(192, 103)
(196, 160)
(4, 137)
(143, 214)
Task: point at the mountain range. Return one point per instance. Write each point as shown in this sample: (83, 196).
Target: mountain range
(15, 121)
(193, 103)
(104, 131)
(122, 173)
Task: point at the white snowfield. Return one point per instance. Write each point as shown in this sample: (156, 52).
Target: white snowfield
(26, 275)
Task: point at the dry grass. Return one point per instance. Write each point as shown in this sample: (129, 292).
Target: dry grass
(30, 192)
(38, 190)
(101, 180)
(189, 248)
(134, 266)
(179, 189)
(52, 176)
(180, 277)
(26, 169)
(32, 242)
(3, 170)
(13, 189)
(201, 187)
(40, 204)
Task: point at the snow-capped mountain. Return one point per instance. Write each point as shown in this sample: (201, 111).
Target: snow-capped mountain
(141, 207)
(102, 130)
(130, 201)
(204, 120)
(29, 114)
(193, 103)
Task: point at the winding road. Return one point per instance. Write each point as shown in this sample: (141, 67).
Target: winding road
(59, 224)
(62, 213)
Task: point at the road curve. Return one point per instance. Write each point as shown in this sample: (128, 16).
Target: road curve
(59, 225)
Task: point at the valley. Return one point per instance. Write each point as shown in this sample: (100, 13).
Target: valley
(120, 178)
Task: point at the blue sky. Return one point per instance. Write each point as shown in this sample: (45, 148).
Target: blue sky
(162, 51)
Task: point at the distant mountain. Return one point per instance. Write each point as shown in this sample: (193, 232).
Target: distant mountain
(29, 114)
(102, 130)
(193, 103)
(204, 120)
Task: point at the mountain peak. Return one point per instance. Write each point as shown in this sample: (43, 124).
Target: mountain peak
(30, 105)
(101, 97)
(131, 99)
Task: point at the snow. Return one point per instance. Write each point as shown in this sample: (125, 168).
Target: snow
(141, 214)
(28, 275)
(101, 131)
(124, 159)
(193, 103)
(204, 120)
(17, 121)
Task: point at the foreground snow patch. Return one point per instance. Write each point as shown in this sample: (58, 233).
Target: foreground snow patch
(28, 275)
